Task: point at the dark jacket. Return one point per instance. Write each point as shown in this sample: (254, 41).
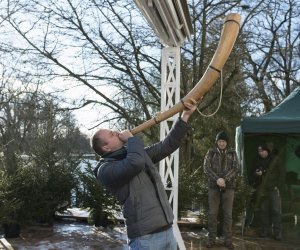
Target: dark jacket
(215, 168)
(136, 183)
(273, 174)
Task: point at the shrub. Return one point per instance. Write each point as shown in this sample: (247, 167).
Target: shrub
(96, 198)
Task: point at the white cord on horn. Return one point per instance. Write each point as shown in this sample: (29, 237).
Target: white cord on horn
(220, 100)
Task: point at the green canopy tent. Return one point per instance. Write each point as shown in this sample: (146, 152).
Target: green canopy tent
(281, 128)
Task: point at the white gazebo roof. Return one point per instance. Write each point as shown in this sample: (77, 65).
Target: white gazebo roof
(169, 19)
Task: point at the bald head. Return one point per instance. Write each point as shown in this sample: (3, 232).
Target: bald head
(105, 141)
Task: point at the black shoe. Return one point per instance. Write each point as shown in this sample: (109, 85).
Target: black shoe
(210, 244)
(229, 245)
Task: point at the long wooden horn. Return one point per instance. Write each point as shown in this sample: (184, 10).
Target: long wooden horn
(228, 36)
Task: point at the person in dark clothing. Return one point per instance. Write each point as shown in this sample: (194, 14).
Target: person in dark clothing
(127, 169)
(221, 167)
(269, 178)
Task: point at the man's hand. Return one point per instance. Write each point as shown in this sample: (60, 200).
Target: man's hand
(124, 135)
(221, 183)
(189, 108)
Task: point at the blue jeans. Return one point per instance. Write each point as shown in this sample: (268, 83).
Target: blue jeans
(158, 241)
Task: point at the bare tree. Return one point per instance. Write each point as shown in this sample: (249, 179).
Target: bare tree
(40, 151)
(107, 47)
(271, 37)
(101, 45)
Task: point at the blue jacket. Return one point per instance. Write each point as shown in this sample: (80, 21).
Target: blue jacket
(135, 181)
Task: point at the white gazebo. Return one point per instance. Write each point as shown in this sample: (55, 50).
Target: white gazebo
(171, 22)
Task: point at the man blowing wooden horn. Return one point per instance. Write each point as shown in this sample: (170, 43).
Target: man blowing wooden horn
(127, 169)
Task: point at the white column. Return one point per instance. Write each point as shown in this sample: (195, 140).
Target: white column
(170, 95)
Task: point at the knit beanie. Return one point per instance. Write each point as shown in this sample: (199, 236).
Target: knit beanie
(222, 136)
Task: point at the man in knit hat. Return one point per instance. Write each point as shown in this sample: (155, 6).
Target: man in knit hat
(221, 167)
(269, 179)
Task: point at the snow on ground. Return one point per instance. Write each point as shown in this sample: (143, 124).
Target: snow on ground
(68, 235)
(74, 212)
(81, 213)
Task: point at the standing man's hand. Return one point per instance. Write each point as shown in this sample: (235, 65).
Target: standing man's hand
(221, 182)
(189, 108)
